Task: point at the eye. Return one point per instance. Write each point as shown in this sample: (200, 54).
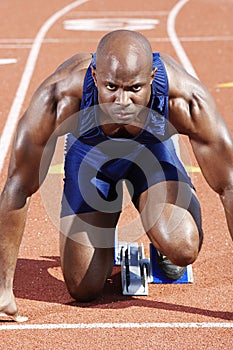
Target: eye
(136, 88)
(111, 86)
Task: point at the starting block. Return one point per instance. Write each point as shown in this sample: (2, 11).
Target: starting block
(134, 270)
(137, 271)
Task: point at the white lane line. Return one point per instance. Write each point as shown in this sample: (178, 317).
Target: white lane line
(12, 119)
(16, 40)
(175, 40)
(27, 43)
(14, 46)
(206, 38)
(182, 325)
(4, 61)
(180, 53)
(118, 13)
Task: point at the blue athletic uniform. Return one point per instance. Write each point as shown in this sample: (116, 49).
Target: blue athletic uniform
(95, 164)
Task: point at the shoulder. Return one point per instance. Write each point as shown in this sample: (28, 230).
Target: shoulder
(181, 83)
(192, 108)
(56, 99)
(67, 80)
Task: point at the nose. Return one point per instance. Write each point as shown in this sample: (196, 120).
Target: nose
(123, 97)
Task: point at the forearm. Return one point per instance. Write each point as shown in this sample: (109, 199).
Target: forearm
(227, 201)
(12, 223)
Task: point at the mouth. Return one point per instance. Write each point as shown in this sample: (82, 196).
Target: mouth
(123, 114)
(122, 117)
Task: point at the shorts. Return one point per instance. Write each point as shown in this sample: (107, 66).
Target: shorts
(94, 174)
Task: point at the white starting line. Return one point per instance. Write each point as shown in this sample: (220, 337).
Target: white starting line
(51, 326)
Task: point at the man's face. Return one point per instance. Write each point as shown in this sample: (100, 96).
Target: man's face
(124, 88)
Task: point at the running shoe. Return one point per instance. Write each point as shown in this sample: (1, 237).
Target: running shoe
(169, 269)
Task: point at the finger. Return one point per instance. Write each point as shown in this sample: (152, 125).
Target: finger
(16, 317)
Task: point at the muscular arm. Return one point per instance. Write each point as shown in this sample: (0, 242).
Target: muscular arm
(193, 113)
(47, 117)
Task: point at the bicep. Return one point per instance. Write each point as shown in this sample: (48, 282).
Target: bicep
(36, 136)
(47, 117)
(213, 148)
(29, 162)
(211, 141)
(193, 112)
(34, 140)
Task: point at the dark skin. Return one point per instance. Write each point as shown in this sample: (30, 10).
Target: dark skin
(123, 80)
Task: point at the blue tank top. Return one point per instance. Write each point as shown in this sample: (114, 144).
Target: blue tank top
(155, 128)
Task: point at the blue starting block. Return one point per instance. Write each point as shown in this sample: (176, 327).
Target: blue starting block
(137, 271)
(157, 275)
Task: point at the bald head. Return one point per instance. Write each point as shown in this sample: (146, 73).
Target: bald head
(123, 76)
(124, 46)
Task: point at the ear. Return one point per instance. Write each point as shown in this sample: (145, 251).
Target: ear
(153, 74)
(93, 72)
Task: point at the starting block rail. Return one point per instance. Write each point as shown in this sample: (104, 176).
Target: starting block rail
(134, 270)
(137, 271)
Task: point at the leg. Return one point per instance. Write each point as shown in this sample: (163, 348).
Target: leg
(87, 252)
(165, 215)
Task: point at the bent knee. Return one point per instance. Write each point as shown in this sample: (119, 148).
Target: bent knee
(84, 292)
(184, 254)
(183, 244)
(181, 249)
(184, 258)
(84, 296)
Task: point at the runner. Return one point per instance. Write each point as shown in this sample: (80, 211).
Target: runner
(130, 100)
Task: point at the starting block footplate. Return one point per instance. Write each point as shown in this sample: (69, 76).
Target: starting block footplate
(137, 271)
